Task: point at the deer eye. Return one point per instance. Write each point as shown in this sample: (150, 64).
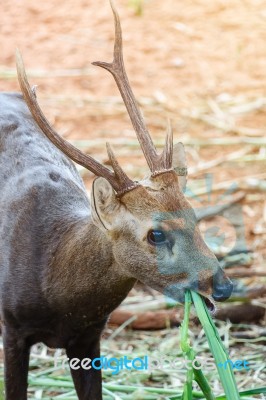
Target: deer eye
(156, 237)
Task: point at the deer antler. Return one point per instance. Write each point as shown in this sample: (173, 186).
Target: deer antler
(157, 163)
(118, 179)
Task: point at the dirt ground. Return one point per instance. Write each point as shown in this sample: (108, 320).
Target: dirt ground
(200, 63)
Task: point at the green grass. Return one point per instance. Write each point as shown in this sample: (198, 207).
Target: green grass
(47, 381)
(218, 351)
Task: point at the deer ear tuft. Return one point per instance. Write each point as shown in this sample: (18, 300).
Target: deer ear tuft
(104, 204)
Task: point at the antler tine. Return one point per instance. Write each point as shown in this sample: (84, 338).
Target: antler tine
(117, 69)
(167, 154)
(120, 185)
(122, 178)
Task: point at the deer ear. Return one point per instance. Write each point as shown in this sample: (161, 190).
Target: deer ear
(180, 164)
(104, 204)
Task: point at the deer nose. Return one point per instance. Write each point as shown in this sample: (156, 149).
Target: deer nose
(222, 286)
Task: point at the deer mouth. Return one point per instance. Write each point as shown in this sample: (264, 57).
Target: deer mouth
(210, 305)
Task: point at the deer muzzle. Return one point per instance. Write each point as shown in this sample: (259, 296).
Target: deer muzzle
(222, 286)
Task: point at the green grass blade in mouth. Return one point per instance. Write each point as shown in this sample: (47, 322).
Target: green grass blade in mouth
(189, 353)
(186, 348)
(217, 348)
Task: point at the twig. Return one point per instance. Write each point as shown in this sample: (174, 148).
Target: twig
(243, 272)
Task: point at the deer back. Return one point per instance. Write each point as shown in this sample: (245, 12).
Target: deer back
(42, 196)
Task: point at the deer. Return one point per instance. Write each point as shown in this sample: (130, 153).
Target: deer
(66, 261)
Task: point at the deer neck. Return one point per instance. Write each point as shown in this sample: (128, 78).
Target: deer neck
(83, 274)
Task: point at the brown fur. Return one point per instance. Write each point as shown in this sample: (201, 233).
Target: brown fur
(66, 263)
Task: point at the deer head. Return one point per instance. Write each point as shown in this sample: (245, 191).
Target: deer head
(151, 225)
